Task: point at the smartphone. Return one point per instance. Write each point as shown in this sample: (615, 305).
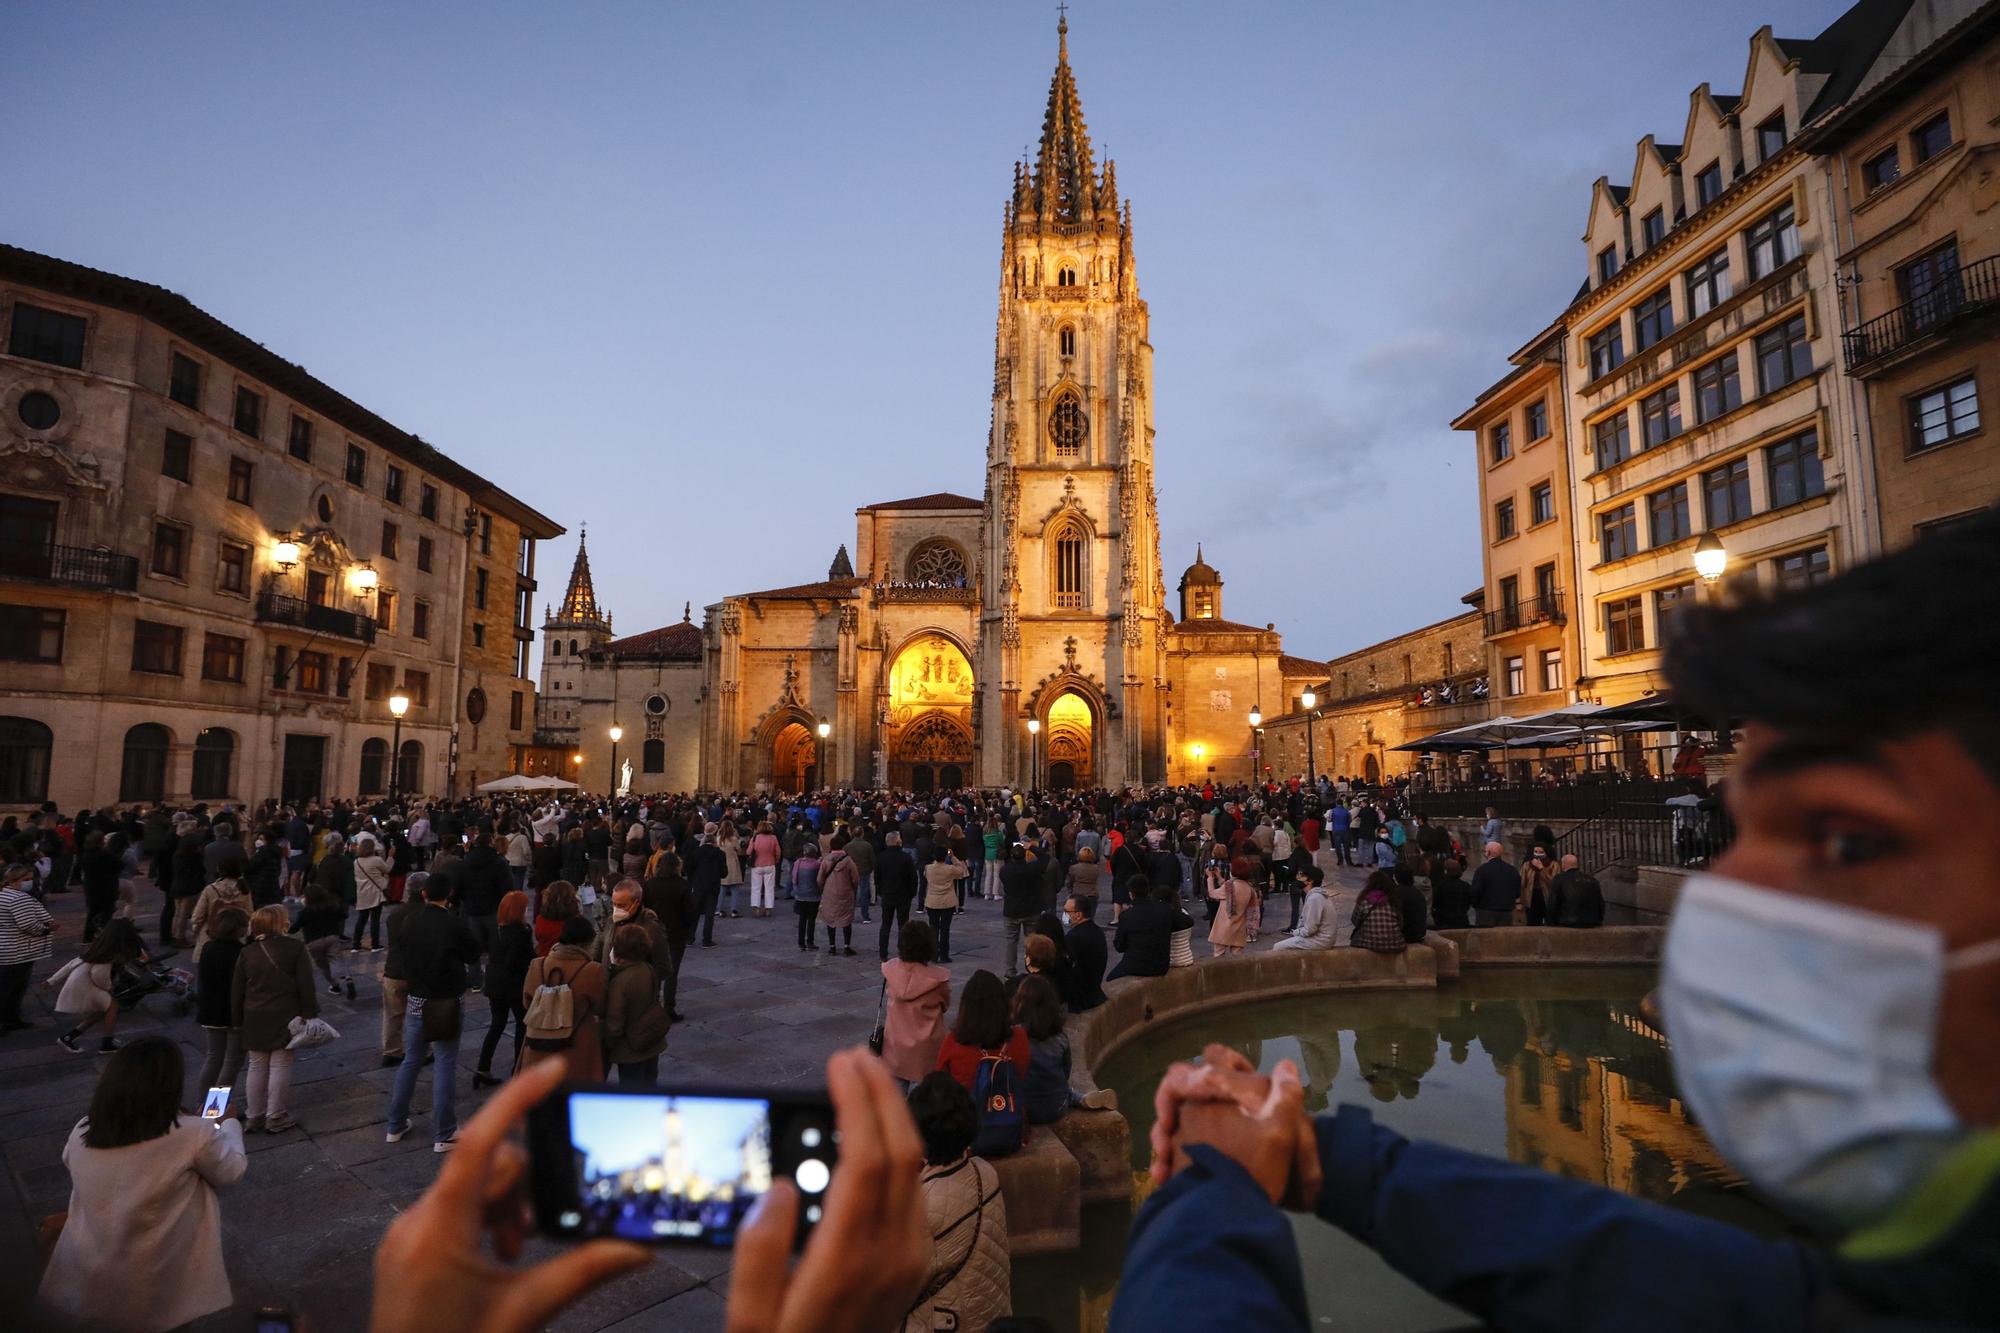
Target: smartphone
(216, 1104)
(275, 1319)
(675, 1166)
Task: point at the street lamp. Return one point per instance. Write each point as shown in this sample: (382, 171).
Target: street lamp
(1034, 732)
(365, 580)
(825, 729)
(285, 555)
(399, 704)
(1710, 559)
(1198, 750)
(617, 734)
(1307, 700)
(1256, 719)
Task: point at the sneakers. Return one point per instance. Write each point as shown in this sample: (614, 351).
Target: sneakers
(110, 1044)
(68, 1042)
(1103, 1099)
(396, 1135)
(446, 1143)
(279, 1123)
(333, 989)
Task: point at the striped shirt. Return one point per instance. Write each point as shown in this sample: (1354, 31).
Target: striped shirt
(25, 926)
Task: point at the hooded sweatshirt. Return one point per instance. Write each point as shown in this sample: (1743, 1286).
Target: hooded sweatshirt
(919, 994)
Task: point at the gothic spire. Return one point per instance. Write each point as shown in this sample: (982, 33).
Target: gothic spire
(579, 603)
(1064, 173)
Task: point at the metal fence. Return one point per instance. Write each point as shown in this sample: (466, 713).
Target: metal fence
(1582, 800)
(1688, 837)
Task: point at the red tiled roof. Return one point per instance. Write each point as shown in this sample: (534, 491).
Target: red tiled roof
(824, 588)
(937, 500)
(682, 641)
(1210, 625)
(1301, 666)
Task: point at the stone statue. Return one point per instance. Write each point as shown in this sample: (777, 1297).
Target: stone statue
(624, 779)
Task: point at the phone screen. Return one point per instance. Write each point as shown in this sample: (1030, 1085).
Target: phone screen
(216, 1104)
(668, 1167)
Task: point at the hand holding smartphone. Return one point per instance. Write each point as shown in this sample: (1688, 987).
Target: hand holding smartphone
(216, 1104)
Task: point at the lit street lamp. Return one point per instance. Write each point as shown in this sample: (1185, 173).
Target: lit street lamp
(617, 734)
(1710, 559)
(1256, 720)
(1307, 700)
(1034, 734)
(399, 704)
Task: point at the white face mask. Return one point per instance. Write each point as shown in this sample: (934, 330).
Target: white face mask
(1803, 1034)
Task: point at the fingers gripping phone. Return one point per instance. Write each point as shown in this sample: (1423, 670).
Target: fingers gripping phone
(675, 1166)
(216, 1104)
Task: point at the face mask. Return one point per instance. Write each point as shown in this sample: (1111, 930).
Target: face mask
(620, 913)
(1802, 1039)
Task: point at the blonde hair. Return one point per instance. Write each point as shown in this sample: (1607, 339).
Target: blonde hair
(272, 920)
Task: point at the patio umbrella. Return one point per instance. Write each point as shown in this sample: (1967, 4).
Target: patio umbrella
(512, 782)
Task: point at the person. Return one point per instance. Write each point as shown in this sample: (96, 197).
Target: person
(1051, 957)
(1083, 942)
(765, 853)
(706, 865)
(1411, 906)
(27, 936)
(439, 952)
(1496, 890)
(569, 964)
(225, 892)
(1866, 763)
(319, 926)
(215, 976)
(731, 847)
(1340, 822)
(506, 974)
(141, 1245)
(371, 889)
(273, 985)
(667, 897)
(895, 888)
(556, 906)
(1236, 900)
(1020, 898)
(635, 1026)
(395, 973)
(1377, 918)
(1046, 1094)
(941, 879)
(1083, 877)
(1144, 933)
(983, 1030)
(1575, 899)
(916, 995)
(86, 986)
(1537, 873)
(968, 1283)
(805, 897)
(839, 884)
(1451, 896)
(483, 879)
(1491, 830)
(1317, 928)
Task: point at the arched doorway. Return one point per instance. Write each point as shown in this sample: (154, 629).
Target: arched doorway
(931, 752)
(794, 759)
(1371, 768)
(929, 715)
(1068, 742)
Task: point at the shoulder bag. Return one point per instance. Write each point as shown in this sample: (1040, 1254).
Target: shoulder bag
(880, 1034)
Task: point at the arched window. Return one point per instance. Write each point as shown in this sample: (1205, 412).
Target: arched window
(1068, 426)
(410, 769)
(144, 774)
(1066, 276)
(25, 745)
(937, 561)
(572, 647)
(1071, 575)
(1066, 340)
(555, 647)
(374, 766)
(214, 757)
(653, 757)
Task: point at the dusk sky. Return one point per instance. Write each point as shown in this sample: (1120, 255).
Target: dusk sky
(708, 277)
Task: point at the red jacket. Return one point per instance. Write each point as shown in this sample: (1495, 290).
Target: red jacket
(962, 1061)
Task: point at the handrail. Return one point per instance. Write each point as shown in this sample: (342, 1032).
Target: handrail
(1960, 294)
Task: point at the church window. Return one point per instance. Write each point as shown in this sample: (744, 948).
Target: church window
(1066, 276)
(654, 757)
(937, 562)
(1071, 570)
(1068, 426)
(1066, 340)
(572, 647)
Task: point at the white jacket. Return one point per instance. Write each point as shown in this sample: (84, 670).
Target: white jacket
(371, 881)
(968, 1285)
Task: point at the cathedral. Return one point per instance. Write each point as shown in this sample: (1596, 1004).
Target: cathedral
(1021, 637)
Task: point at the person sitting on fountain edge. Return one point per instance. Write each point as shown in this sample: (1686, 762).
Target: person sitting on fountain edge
(1831, 988)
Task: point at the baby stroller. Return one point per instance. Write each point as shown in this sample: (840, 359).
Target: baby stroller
(135, 981)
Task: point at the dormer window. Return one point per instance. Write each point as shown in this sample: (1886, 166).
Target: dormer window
(1771, 138)
(1654, 227)
(1066, 341)
(1607, 264)
(1708, 185)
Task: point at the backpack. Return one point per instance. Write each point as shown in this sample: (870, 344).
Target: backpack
(997, 1108)
(1281, 845)
(551, 1016)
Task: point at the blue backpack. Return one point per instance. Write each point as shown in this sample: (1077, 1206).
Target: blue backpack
(1001, 1128)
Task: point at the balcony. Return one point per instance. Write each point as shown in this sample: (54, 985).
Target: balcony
(958, 594)
(1524, 615)
(1967, 294)
(73, 566)
(277, 609)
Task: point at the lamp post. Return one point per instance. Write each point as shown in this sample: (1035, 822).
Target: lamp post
(1034, 733)
(1256, 720)
(825, 729)
(1710, 558)
(399, 704)
(617, 734)
(1307, 700)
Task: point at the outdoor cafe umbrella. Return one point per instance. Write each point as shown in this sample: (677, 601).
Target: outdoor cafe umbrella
(512, 782)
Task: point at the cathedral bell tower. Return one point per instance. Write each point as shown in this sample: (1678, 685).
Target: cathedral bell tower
(569, 632)
(1071, 617)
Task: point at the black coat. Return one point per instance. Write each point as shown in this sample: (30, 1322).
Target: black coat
(1412, 908)
(437, 948)
(1496, 886)
(706, 867)
(896, 878)
(507, 968)
(483, 880)
(1020, 889)
(215, 973)
(1163, 869)
(1575, 900)
(1451, 901)
(669, 898)
(1087, 956)
(1144, 935)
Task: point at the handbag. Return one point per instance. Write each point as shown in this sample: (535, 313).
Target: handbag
(443, 1018)
(881, 1032)
(310, 1032)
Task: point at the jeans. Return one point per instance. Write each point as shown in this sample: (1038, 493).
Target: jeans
(864, 896)
(727, 900)
(504, 1007)
(990, 886)
(395, 1002)
(370, 920)
(639, 1071)
(940, 919)
(269, 1078)
(894, 917)
(708, 917)
(321, 951)
(808, 913)
(670, 989)
(763, 887)
(1018, 929)
(444, 1119)
(13, 987)
(224, 1062)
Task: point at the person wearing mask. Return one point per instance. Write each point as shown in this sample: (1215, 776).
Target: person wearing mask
(141, 1245)
(941, 878)
(968, 1283)
(1084, 942)
(1831, 1031)
(1318, 926)
(215, 978)
(1575, 899)
(570, 964)
(1144, 933)
(27, 936)
(273, 985)
(635, 1026)
(895, 889)
(1451, 896)
(1537, 873)
(1496, 890)
(506, 974)
(439, 951)
(371, 890)
(916, 994)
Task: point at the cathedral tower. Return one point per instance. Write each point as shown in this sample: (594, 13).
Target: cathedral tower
(572, 630)
(1072, 628)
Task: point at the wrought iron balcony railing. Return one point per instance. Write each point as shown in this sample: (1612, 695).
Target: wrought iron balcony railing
(278, 609)
(1535, 611)
(921, 591)
(1966, 292)
(77, 566)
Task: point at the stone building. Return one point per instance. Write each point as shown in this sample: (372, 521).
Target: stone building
(215, 569)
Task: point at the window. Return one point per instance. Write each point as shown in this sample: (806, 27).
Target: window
(1930, 285)
(1944, 414)
(1716, 388)
(1607, 351)
(654, 757)
(1069, 567)
(1708, 185)
(1667, 514)
(1783, 355)
(1624, 626)
(1653, 318)
(47, 335)
(170, 543)
(1068, 427)
(517, 711)
(1510, 601)
(1881, 169)
(1552, 668)
(184, 381)
(392, 541)
(25, 747)
(479, 588)
(1611, 440)
(1660, 417)
(249, 412)
(357, 465)
(479, 635)
(385, 609)
(1065, 276)
(392, 488)
(1517, 675)
(486, 534)
(1500, 442)
(1708, 284)
(177, 456)
(1503, 520)
(1538, 420)
(1618, 532)
(1932, 137)
(222, 658)
(214, 753)
(319, 587)
(427, 501)
(143, 775)
(1545, 585)
(1802, 569)
(300, 440)
(1541, 503)
(1794, 470)
(1607, 264)
(410, 766)
(1065, 342)
(417, 684)
(420, 620)
(1669, 604)
(374, 766)
(232, 567)
(156, 648)
(1653, 227)
(312, 673)
(524, 607)
(1771, 138)
(1726, 493)
(379, 681)
(241, 472)
(31, 634)
(1773, 242)
(38, 410)
(424, 554)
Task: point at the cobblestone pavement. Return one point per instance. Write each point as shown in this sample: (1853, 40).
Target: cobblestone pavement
(300, 1229)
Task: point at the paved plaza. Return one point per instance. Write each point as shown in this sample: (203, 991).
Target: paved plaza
(300, 1228)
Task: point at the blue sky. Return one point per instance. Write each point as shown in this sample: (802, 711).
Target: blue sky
(618, 1131)
(708, 277)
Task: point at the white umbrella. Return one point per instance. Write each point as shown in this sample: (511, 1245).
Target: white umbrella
(512, 782)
